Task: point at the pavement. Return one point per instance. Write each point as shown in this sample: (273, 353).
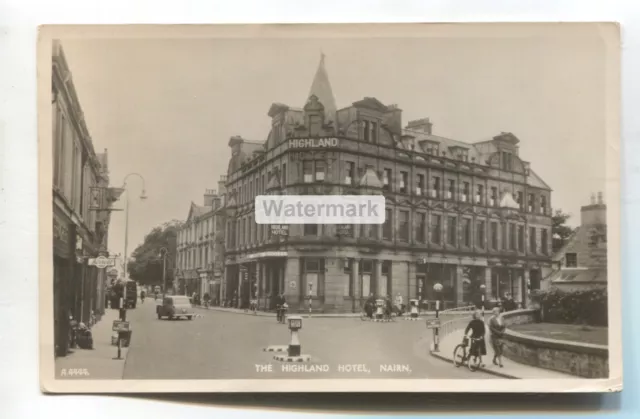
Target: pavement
(96, 363)
(224, 345)
(511, 369)
(306, 313)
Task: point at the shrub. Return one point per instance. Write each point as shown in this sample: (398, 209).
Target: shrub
(586, 307)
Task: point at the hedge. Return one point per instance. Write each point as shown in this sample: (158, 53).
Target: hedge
(578, 307)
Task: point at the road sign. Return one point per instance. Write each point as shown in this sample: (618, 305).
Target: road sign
(101, 262)
(121, 326)
(433, 323)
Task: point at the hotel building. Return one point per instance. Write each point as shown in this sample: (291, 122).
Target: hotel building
(459, 214)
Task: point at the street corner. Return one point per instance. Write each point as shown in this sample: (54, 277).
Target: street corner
(294, 359)
(275, 348)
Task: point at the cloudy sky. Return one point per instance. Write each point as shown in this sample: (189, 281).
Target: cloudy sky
(165, 108)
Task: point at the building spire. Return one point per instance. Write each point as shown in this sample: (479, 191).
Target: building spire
(321, 88)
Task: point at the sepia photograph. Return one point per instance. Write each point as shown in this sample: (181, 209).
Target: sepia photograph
(397, 207)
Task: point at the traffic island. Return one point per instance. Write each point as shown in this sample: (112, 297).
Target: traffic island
(287, 358)
(282, 348)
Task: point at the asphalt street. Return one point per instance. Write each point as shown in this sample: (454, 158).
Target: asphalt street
(221, 345)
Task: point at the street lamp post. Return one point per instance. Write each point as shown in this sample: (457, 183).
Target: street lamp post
(143, 196)
(163, 254)
(436, 338)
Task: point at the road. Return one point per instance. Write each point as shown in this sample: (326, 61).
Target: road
(222, 345)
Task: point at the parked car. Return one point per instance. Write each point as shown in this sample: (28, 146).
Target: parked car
(175, 306)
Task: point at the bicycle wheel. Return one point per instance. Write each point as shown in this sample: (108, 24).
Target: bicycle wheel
(473, 363)
(459, 354)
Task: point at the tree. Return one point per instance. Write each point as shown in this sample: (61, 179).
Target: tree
(145, 265)
(560, 230)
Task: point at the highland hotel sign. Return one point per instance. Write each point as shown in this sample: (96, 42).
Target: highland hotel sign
(313, 142)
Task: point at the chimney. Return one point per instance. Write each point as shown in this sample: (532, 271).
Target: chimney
(594, 214)
(423, 125)
(209, 197)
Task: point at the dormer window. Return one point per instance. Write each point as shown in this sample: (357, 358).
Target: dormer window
(315, 124)
(506, 159)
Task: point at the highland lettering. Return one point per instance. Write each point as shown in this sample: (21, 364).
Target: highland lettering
(313, 142)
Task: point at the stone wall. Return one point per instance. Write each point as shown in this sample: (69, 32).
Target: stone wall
(576, 358)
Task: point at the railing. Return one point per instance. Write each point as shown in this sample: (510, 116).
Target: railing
(463, 317)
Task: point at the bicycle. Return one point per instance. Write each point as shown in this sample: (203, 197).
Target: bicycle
(281, 312)
(461, 355)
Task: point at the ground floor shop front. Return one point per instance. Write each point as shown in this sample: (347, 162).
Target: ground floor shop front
(334, 282)
(78, 289)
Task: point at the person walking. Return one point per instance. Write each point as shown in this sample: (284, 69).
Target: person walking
(399, 304)
(280, 306)
(496, 327)
(478, 347)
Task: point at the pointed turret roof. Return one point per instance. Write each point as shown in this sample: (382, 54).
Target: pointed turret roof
(321, 88)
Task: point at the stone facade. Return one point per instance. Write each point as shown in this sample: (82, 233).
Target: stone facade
(81, 208)
(200, 248)
(458, 214)
(583, 259)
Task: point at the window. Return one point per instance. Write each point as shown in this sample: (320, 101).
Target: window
(349, 176)
(307, 170)
(319, 170)
(367, 132)
(466, 232)
(494, 235)
(57, 144)
(436, 227)
(571, 260)
(507, 160)
(404, 182)
(543, 204)
(241, 233)
(386, 179)
(284, 174)
(480, 233)
(404, 226)
(373, 231)
(315, 124)
(494, 196)
(374, 132)
(422, 224)
(420, 185)
(520, 238)
(452, 231)
(519, 200)
(435, 192)
(387, 231)
(480, 194)
(451, 191)
(544, 239)
(533, 247)
(531, 202)
(311, 229)
(512, 236)
(465, 192)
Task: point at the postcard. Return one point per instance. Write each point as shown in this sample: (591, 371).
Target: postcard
(330, 208)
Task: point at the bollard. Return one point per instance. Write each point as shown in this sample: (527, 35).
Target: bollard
(295, 324)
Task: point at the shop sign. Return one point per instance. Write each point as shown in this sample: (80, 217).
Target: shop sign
(280, 229)
(267, 255)
(344, 230)
(313, 142)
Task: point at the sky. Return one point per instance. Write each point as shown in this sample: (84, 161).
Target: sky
(166, 107)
